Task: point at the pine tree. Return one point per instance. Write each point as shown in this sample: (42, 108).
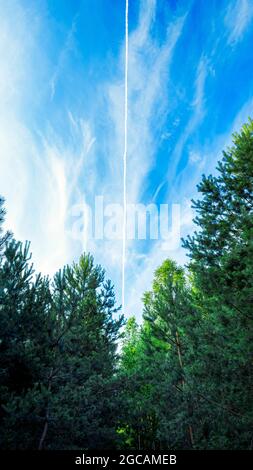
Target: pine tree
(137, 420)
(24, 306)
(58, 357)
(3, 236)
(221, 254)
(82, 388)
(168, 310)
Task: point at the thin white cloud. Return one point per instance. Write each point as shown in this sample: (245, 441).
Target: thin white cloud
(67, 48)
(149, 63)
(40, 172)
(149, 68)
(237, 20)
(195, 157)
(145, 267)
(43, 176)
(204, 157)
(16, 48)
(198, 112)
(196, 117)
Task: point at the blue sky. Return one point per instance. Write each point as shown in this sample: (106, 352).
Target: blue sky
(62, 116)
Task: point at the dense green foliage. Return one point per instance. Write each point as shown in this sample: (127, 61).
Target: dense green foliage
(58, 355)
(194, 351)
(182, 380)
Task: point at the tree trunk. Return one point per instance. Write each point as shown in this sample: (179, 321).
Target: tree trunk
(183, 383)
(45, 428)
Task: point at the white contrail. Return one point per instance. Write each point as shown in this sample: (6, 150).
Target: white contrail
(125, 162)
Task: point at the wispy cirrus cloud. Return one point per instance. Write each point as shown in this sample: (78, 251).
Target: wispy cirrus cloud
(40, 170)
(62, 120)
(196, 115)
(198, 112)
(149, 63)
(237, 19)
(201, 158)
(67, 48)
